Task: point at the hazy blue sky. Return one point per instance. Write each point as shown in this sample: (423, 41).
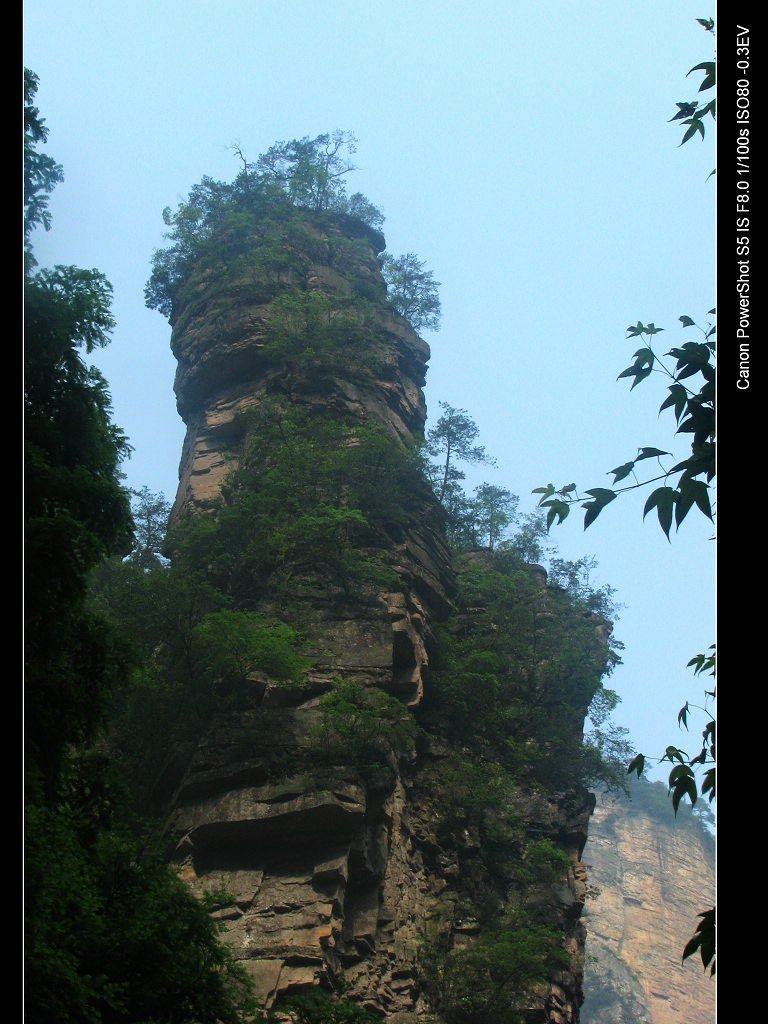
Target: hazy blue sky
(523, 150)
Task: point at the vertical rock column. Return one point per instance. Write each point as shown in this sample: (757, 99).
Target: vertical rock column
(318, 862)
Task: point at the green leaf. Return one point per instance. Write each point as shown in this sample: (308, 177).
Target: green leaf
(696, 126)
(650, 453)
(682, 782)
(710, 76)
(709, 109)
(620, 472)
(708, 785)
(559, 509)
(663, 500)
(704, 662)
(644, 355)
(546, 491)
(601, 496)
(704, 940)
(685, 110)
(692, 491)
(637, 764)
(686, 321)
(674, 754)
(678, 398)
(638, 372)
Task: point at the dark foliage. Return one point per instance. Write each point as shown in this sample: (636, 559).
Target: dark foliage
(110, 933)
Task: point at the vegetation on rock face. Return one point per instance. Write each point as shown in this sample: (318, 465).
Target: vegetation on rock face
(312, 493)
(361, 727)
(313, 498)
(112, 934)
(493, 978)
(255, 231)
(413, 290)
(318, 1007)
(518, 668)
(214, 226)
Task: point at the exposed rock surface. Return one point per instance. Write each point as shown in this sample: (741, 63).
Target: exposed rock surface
(328, 867)
(650, 876)
(327, 873)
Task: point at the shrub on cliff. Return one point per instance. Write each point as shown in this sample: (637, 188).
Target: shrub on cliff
(490, 979)
(258, 230)
(317, 1007)
(517, 670)
(310, 498)
(363, 727)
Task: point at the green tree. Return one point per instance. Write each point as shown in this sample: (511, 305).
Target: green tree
(150, 524)
(494, 510)
(610, 742)
(490, 979)
(311, 494)
(234, 645)
(518, 670)
(311, 171)
(165, 701)
(453, 440)
(41, 172)
(317, 1007)
(111, 934)
(362, 726)
(76, 510)
(412, 290)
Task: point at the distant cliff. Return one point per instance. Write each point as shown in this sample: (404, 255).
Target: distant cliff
(649, 876)
(408, 814)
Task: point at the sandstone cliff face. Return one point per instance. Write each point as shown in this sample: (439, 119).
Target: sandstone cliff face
(650, 876)
(332, 867)
(219, 338)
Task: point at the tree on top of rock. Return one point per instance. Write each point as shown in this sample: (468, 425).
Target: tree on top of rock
(413, 290)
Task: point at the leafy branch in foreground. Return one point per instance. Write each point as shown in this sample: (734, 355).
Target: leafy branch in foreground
(688, 482)
(691, 113)
(682, 778)
(692, 399)
(683, 783)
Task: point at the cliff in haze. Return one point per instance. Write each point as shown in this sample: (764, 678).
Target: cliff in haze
(384, 787)
(650, 875)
